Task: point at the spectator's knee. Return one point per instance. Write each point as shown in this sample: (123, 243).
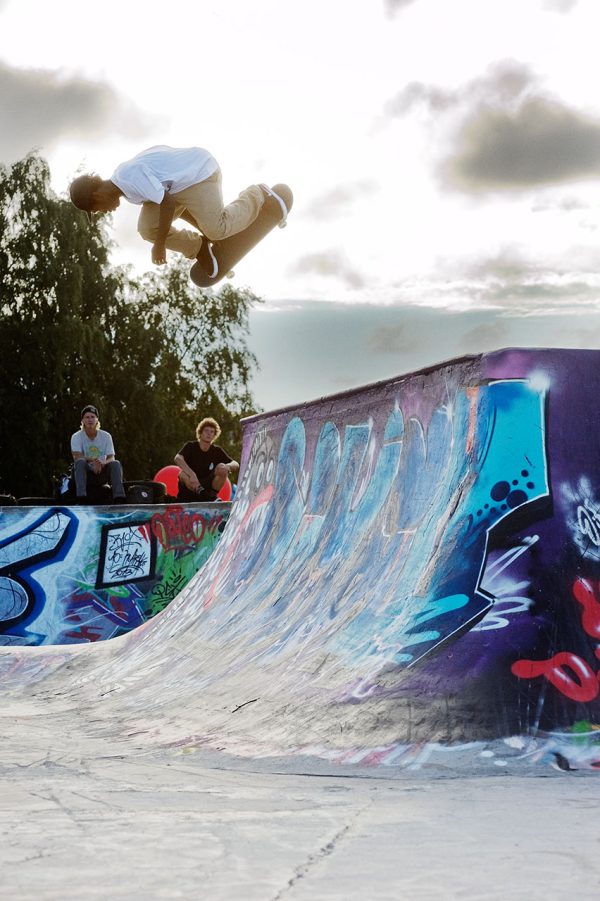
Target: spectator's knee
(220, 473)
(113, 470)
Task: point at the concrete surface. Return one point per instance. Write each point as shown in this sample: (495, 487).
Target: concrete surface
(182, 826)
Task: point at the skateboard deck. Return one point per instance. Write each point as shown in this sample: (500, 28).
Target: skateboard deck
(230, 251)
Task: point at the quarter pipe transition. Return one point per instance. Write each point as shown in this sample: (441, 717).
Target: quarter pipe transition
(410, 564)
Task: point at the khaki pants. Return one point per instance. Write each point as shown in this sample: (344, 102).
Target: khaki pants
(204, 202)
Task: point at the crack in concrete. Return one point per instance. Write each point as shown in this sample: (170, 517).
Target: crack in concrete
(50, 796)
(314, 859)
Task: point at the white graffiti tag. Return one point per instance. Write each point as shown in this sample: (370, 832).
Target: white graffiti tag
(588, 521)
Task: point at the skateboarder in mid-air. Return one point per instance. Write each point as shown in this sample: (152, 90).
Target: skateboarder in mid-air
(172, 183)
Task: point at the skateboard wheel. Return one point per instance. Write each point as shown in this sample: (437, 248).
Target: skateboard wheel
(229, 274)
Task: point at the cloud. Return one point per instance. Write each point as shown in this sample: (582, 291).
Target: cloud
(493, 333)
(330, 264)
(338, 200)
(541, 142)
(418, 94)
(39, 107)
(503, 132)
(513, 280)
(560, 6)
(510, 281)
(501, 84)
(394, 339)
(508, 264)
(568, 204)
(392, 6)
(331, 347)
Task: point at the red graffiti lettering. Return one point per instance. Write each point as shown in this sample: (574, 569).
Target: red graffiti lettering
(586, 595)
(84, 633)
(144, 531)
(119, 609)
(567, 672)
(177, 527)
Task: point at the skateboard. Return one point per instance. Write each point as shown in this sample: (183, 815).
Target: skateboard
(230, 251)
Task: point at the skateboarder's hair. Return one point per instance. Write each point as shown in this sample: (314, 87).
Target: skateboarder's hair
(82, 189)
(208, 421)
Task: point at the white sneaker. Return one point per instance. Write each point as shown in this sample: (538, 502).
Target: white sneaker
(206, 258)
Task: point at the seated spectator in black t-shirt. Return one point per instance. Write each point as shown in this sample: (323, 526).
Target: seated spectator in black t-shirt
(204, 466)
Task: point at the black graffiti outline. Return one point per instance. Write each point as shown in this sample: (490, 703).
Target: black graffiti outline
(127, 577)
(11, 570)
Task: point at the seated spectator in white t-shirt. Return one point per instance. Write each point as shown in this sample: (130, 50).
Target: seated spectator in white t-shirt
(94, 455)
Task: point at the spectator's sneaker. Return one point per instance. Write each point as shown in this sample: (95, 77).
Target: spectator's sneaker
(207, 259)
(272, 198)
(206, 495)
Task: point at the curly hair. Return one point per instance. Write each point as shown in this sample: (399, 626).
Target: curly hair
(208, 421)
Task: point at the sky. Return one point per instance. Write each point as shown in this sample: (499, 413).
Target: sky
(444, 157)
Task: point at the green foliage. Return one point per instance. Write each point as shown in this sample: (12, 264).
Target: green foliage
(154, 354)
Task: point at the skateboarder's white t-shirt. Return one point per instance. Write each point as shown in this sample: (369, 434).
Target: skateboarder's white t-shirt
(152, 172)
(98, 448)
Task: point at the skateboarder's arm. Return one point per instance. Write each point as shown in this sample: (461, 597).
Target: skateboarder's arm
(165, 218)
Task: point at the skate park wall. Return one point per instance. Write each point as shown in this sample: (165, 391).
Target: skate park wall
(412, 564)
(84, 574)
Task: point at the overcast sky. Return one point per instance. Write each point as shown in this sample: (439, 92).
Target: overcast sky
(445, 159)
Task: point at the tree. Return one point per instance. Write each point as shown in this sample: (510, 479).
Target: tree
(152, 353)
(197, 364)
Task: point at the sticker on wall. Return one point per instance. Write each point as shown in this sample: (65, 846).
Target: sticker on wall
(127, 554)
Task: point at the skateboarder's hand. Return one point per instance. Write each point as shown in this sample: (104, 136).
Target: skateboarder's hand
(159, 254)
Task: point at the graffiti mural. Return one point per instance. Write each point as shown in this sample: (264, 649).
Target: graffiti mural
(85, 574)
(375, 507)
(408, 567)
(430, 545)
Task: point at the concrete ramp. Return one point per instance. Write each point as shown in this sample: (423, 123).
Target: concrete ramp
(412, 565)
